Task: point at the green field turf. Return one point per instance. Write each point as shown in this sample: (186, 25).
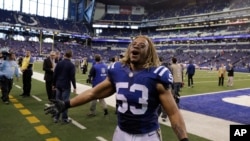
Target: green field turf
(14, 125)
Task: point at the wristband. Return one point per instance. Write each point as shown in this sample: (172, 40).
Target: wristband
(184, 139)
(67, 104)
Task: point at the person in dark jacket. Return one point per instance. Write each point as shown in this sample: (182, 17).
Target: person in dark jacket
(64, 74)
(190, 73)
(48, 67)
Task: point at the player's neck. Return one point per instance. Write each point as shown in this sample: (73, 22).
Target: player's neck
(135, 67)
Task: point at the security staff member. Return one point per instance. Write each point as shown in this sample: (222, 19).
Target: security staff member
(27, 70)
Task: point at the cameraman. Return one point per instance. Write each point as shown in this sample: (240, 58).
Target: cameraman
(8, 69)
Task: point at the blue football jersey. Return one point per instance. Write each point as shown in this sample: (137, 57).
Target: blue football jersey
(99, 73)
(137, 97)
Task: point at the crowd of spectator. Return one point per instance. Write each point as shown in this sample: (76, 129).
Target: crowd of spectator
(203, 54)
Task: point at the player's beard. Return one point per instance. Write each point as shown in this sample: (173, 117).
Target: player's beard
(138, 59)
(135, 61)
(138, 62)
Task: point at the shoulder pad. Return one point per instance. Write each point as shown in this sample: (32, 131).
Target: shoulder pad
(163, 74)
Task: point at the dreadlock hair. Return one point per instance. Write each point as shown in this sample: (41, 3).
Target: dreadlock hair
(151, 61)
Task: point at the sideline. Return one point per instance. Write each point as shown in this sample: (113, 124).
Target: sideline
(79, 88)
(47, 105)
(211, 128)
(32, 119)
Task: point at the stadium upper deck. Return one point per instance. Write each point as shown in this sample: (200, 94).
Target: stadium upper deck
(197, 28)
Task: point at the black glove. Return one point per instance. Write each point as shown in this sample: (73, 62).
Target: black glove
(57, 107)
(88, 81)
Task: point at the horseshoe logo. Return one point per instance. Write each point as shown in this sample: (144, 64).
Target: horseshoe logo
(33, 23)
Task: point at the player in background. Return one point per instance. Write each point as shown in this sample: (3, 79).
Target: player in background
(97, 74)
(177, 71)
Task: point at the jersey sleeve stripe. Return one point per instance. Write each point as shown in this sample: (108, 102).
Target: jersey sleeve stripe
(163, 71)
(160, 70)
(157, 69)
(112, 66)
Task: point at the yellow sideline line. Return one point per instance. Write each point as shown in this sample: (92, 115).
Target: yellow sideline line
(25, 112)
(33, 119)
(74, 122)
(41, 129)
(52, 139)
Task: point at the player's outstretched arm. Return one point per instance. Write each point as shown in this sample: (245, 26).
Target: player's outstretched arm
(102, 90)
(173, 112)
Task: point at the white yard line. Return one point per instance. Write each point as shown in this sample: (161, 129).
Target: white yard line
(78, 124)
(19, 87)
(100, 138)
(37, 98)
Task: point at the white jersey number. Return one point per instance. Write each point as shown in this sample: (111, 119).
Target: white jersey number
(142, 100)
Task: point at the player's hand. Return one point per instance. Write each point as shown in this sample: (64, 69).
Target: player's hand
(88, 81)
(177, 99)
(57, 107)
(74, 91)
(53, 87)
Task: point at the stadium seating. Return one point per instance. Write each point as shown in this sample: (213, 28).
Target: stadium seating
(205, 46)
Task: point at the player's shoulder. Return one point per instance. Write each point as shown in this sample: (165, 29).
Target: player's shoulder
(115, 65)
(160, 70)
(163, 74)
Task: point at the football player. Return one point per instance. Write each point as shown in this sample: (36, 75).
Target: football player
(141, 85)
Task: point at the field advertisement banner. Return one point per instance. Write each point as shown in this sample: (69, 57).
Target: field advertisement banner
(127, 10)
(113, 9)
(137, 10)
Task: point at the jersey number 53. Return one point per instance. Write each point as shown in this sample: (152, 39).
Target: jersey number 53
(124, 107)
